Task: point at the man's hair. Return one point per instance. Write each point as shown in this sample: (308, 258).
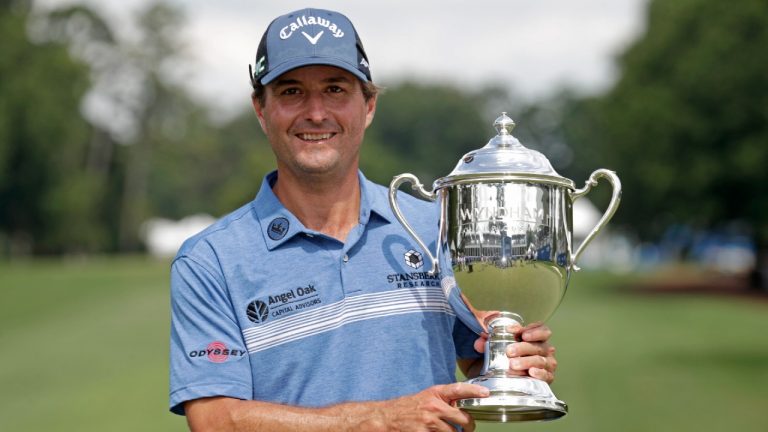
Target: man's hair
(370, 90)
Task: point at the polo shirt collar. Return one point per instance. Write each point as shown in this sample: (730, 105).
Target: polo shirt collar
(372, 201)
(278, 225)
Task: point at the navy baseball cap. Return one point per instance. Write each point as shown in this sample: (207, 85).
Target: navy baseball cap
(309, 37)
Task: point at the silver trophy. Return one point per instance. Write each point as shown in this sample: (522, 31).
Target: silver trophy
(506, 223)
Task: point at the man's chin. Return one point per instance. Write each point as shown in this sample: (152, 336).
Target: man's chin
(317, 170)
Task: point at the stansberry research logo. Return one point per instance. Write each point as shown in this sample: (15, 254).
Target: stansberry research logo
(414, 259)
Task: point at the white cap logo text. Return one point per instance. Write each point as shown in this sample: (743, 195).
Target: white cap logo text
(303, 21)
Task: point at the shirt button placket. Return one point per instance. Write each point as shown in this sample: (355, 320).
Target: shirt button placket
(343, 270)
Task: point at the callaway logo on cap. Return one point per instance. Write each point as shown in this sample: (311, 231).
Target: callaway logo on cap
(309, 37)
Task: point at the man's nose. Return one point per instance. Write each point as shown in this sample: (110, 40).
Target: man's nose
(316, 110)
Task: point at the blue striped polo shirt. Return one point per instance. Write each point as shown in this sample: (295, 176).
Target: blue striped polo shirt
(263, 308)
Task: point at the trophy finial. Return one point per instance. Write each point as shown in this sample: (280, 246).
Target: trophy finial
(504, 124)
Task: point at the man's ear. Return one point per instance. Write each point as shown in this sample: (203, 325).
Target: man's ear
(259, 112)
(371, 110)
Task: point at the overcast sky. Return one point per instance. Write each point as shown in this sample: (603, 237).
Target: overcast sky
(534, 46)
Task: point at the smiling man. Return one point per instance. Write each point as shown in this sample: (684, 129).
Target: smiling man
(290, 314)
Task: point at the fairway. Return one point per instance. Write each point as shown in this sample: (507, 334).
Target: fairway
(84, 348)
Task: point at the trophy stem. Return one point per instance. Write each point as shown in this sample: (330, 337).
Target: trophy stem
(499, 337)
(513, 398)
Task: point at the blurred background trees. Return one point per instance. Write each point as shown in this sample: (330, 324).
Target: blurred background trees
(686, 125)
(109, 138)
(46, 196)
(98, 133)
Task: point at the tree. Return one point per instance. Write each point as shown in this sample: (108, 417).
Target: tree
(686, 125)
(46, 199)
(424, 129)
(140, 107)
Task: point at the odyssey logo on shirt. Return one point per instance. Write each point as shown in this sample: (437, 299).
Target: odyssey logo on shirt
(217, 352)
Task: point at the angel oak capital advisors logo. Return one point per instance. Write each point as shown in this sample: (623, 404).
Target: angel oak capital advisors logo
(257, 311)
(284, 303)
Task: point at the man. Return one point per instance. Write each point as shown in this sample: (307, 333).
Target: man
(309, 308)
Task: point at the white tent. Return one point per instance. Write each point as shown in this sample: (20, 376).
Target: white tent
(163, 237)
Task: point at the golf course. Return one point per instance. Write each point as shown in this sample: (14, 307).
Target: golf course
(85, 348)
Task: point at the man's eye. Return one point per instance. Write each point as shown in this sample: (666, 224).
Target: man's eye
(290, 91)
(335, 89)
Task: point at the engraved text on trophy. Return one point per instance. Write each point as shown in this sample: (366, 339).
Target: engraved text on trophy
(508, 242)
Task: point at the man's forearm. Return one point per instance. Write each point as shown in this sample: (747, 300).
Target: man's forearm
(228, 414)
(430, 409)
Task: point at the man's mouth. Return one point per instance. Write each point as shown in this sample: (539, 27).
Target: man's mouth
(315, 136)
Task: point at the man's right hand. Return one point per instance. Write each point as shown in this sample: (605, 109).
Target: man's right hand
(429, 410)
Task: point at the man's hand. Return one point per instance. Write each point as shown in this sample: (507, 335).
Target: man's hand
(428, 410)
(532, 355)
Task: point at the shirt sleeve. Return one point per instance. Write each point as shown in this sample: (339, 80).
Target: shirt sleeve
(464, 340)
(467, 327)
(207, 352)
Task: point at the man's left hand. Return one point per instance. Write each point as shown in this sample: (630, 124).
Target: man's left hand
(532, 354)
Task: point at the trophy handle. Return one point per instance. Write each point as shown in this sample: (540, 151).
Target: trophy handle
(430, 196)
(613, 179)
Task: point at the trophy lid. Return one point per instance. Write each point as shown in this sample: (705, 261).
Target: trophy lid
(504, 158)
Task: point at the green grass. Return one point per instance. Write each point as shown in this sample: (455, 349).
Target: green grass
(634, 362)
(83, 347)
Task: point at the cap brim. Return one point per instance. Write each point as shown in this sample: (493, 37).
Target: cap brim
(301, 62)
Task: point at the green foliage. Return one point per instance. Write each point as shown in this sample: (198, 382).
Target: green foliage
(88, 188)
(43, 145)
(210, 170)
(686, 126)
(153, 117)
(426, 128)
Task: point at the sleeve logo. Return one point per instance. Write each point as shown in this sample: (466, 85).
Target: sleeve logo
(217, 352)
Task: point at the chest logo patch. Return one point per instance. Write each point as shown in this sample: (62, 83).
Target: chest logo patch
(257, 312)
(278, 228)
(414, 259)
(284, 303)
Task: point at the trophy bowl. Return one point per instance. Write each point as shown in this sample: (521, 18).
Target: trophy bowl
(506, 226)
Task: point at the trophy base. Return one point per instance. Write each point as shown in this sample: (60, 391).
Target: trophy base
(513, 399)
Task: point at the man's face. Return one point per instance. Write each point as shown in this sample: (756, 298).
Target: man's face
(315, 118)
